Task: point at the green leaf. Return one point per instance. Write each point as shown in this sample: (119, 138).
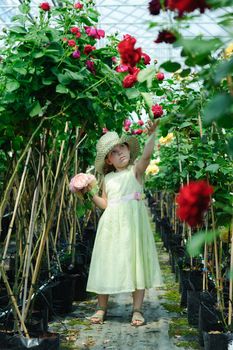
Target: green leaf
(24, 8)
(36, 109)
(147, 74)
(196, 243)
(38, 54)
(170, 66)
(159, 92)
(12, 85)
(147, 98)
(132, 93)
(185, 72)
(20, 70)
(212, 168)
(74, 75)
(61, 89)
(48, 81)
(219, 109)
(18, 30)
(184, 125)
(230, 146)
(223, 69)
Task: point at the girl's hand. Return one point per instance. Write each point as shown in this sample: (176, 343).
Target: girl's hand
(151, 126)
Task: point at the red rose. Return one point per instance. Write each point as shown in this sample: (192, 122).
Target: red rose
(122, 68)
(154, 7)
(45, 6)
(78, 6)
(91, 66)
(75, 30)
(126, 128)
(129, 80)
(187, 5)
(129, 55)
(138, 131)
(88, 48)
(146, 58)
(71, 43)
(160, 76)
(157, 111)
(193, 200)
(140, 122)
(165, 36)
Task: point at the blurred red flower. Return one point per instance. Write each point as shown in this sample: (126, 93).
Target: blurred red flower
(146, 58)
(157, 111)
(45, 6)
(130, 79)
(160, 76)
(71, 43)
(165, 36)
(91, 66)
(187, 5)
(193, 200)
(129, 55)
(88, 48)
(95, 33)
(78, 6)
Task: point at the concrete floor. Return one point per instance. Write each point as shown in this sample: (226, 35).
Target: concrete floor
(116, 333)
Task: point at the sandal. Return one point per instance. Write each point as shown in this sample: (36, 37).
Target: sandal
(98, 318)
(137, 320)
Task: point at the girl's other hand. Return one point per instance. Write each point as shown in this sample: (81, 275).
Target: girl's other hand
(151, 126)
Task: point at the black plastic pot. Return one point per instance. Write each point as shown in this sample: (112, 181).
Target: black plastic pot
(184, 285)
(193, 303)
(209, 318)
(63, 294)
(46, 341)
(80, 286)
(219, 341)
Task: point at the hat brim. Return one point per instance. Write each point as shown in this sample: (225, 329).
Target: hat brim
(134, 148)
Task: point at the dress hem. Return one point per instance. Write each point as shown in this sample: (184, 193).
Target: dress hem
(122, 291)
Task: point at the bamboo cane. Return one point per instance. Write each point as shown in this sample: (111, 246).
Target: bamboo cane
(60, 156)
(12, 178)
(13, 300)
(31, 234)
(49, 223)
(217, 272)
(7, 242)
(60, 212)
(231, 280)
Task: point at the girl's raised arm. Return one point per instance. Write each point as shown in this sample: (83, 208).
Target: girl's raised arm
(144, 161)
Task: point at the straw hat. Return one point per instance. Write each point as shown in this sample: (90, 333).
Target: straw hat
(110, 140)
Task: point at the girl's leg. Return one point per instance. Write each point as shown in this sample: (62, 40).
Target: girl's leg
(138, 297)
(99, 315)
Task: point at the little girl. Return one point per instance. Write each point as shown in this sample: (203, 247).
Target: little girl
(124, 257)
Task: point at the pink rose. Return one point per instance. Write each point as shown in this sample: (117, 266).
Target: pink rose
(127, 122)
(95, 33)
(80, 181)
(140, 122)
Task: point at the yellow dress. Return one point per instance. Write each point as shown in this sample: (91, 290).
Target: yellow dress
(124, 256)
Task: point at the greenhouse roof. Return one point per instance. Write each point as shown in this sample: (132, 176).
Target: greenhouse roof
(133, 17)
